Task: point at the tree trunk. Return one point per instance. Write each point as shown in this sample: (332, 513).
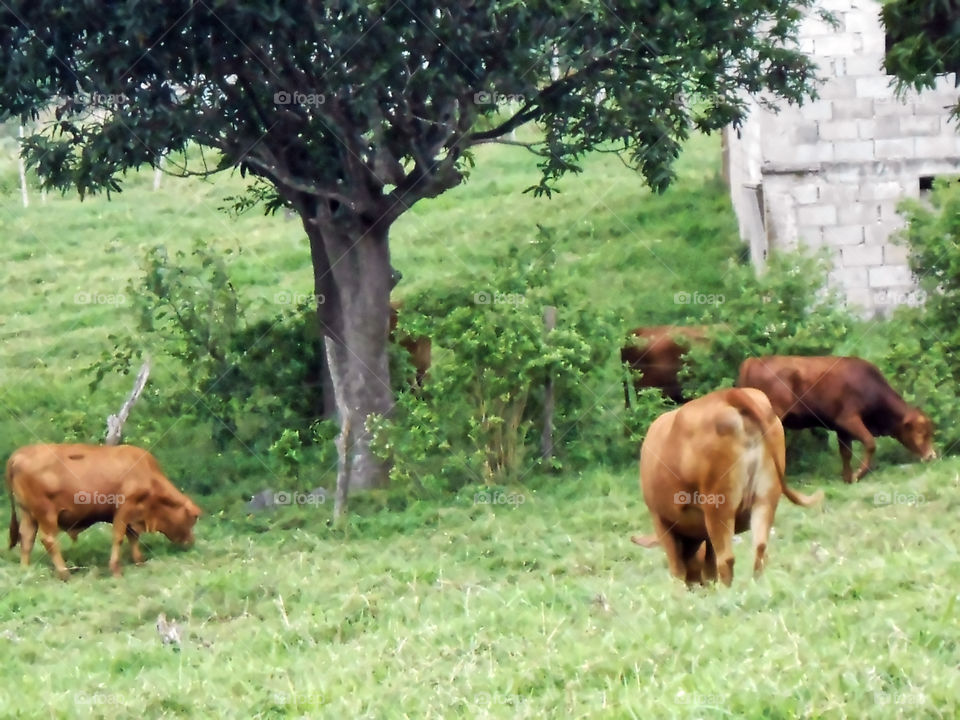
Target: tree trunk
(352, 280)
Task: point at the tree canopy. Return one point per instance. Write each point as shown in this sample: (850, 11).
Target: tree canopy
(378, 102)
(923, 41)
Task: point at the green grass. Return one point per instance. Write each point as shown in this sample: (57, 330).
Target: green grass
(444, 608)
(538, 609)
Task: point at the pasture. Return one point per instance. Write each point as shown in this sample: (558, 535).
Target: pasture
(526, 600)
(534, 609)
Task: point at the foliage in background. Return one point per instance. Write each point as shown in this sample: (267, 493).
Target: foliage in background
(924, 342)
(787, 310)
(923, 41)
(480, 415)
(253, 377)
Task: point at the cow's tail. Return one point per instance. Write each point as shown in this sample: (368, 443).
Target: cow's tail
(743, 376)
(14, 523)
(745, 404)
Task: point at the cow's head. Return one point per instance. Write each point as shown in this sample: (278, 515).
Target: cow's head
(174, 516)
(916, 434)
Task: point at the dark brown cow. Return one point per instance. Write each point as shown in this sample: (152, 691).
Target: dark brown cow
(709, 469)
(418, 347)
(71, 487)
(845, 394)
(657, 352)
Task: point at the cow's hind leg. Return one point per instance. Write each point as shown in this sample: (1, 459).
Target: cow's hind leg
(48, 535)
(720, 528)
(134, 537)
(761, 520)
(28, 533)
(672, 546)
(119, 532)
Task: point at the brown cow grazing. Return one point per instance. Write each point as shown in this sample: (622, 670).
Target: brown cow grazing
(418, 347)
(657, 352)
(710, 469)
(845, 394)
(71, 487)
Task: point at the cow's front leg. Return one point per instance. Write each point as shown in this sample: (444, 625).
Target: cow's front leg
(709, 563)
(854, 426)
(693, 556)
(119, 531)
(134, 537)
(846, 454)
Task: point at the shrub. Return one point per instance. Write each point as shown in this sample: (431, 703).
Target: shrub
(252, 378)
(788, 310)
(480, 415)
(924, 341)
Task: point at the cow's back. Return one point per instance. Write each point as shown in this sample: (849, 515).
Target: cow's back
(53, 468)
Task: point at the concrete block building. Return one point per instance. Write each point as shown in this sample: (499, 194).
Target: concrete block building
(832, 172)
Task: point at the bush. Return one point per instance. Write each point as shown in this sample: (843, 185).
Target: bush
(788, 310)
(251, 378)
(480, 415)
(924, 342)
(924, 370)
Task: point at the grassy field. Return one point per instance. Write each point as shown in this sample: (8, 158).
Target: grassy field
(537, 607)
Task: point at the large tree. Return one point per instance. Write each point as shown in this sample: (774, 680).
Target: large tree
(923, 42)
(350, 112)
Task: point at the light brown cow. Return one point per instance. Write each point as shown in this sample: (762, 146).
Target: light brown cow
(845, 394)
(710, 469)
(71, 487)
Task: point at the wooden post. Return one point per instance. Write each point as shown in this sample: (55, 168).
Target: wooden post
(546, 437)
(115, 422)
(23, 173)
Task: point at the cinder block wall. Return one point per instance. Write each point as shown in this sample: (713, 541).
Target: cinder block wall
(834, 170)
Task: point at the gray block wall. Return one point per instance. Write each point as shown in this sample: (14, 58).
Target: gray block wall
(833, 171)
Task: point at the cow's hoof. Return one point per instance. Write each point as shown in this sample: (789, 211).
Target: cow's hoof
(65, 575)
